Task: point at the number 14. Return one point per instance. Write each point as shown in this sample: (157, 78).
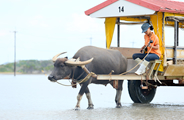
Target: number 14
(121, 9)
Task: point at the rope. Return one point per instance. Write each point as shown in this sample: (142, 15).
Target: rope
(138, 63)
(80, 81)
(62, 84)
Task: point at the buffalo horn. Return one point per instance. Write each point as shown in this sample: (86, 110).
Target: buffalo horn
(78, 63)
(55, 57)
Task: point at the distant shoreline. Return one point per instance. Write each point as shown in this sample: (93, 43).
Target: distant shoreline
(10, 73)
(18, 73)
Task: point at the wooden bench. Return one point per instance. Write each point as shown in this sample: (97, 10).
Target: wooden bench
(128, 52)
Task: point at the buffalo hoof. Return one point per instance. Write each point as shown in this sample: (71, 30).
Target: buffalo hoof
(118, 106)
(77, 108)
(90, 107)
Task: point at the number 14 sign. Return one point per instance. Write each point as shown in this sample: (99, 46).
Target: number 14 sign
(121, 9)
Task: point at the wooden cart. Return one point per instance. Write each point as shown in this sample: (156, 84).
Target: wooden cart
(160, 13)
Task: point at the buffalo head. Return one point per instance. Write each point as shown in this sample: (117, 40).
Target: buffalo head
(63, 67)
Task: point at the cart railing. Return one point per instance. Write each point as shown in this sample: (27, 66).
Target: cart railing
(170, 54)
(128, 52)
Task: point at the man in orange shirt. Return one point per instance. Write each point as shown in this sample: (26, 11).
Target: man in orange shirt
(152, 48)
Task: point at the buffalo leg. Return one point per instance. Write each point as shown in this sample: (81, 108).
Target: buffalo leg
(88, 95)
(118, 94)
(81, 92)
(118, 98)
(79, 97)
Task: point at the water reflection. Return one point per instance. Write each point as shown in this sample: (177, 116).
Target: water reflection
(34, 97)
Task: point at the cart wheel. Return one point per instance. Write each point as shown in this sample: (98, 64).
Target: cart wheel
(139, 95)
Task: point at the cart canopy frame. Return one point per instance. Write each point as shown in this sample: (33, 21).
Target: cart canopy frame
(159, 13)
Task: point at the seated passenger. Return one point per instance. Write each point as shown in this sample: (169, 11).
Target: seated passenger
(155, 52)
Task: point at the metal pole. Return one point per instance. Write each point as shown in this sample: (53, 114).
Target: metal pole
(118, 32)
(163, 38)
(14, 53)
(177, 33)
(175, 41)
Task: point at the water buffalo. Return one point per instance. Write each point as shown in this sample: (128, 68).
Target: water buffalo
(93, 59)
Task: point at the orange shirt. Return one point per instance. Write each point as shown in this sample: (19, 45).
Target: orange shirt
(155, 42)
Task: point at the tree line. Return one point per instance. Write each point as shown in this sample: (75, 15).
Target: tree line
(29, 66)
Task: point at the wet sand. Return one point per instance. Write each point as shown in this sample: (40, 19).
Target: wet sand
(127, 112)
(28, 97)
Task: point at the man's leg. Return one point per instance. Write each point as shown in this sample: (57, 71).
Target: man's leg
(138, 55)
(145, 63)
(151, 57)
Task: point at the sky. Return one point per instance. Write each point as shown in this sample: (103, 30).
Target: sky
(47, 27)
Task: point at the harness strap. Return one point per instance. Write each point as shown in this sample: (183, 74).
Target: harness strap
(86, 78)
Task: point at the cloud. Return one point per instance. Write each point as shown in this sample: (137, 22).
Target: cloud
(15, 0)
(3, 33)
(38, 21)
(83, 23)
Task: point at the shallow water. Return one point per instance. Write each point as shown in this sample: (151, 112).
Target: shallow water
(28, 97)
